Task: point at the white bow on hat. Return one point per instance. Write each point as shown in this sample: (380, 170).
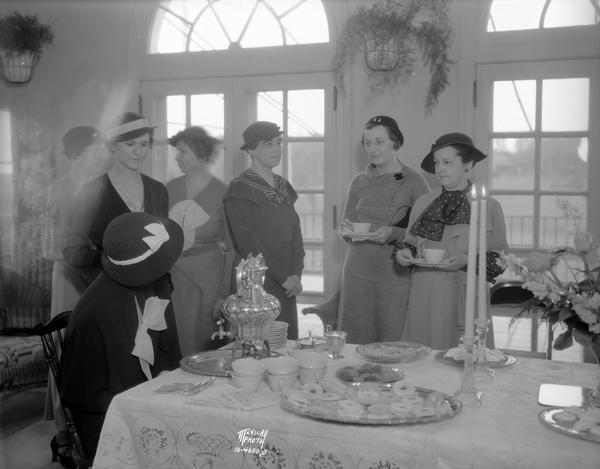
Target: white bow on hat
(152, 318)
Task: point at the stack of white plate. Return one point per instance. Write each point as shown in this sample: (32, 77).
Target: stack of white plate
(278, 335)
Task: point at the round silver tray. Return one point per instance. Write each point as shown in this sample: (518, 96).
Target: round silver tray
(392, 352)
(546, 416)
(212, 363)
(320, 413)
(508, 360)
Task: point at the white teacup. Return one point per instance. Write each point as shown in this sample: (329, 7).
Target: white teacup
(434, 256)
(361, 228)
(281, 365)
(282, 381)
(248, 367)
(311, 375)
(246, 382)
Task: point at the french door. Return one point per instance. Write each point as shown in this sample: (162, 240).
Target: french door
(300, 104)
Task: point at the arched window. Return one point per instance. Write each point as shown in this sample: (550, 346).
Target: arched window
(541, 14)
(204, 25)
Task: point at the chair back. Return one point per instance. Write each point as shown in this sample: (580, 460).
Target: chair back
(51, 335)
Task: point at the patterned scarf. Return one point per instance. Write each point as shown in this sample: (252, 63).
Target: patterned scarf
(276, 196)
(449, 208)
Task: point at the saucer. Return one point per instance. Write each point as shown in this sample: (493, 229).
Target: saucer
(425, 263)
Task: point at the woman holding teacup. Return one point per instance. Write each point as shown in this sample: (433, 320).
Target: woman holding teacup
(374, 291)
(440, 219)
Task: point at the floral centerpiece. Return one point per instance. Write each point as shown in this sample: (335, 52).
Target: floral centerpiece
(573, 301)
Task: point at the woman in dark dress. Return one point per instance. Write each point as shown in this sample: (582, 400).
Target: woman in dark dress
(121, 331)
(122, 189)
(259, 206)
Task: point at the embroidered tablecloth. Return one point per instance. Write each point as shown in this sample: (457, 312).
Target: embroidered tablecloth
(156, 430)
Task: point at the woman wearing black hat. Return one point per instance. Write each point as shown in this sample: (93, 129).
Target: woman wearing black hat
(122, 331)
(374, 290)
(200, 276)
(440, 219)
(259, 205)
(88, 158)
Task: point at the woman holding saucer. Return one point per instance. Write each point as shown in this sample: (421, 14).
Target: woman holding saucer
(440, 219)
(374, 290)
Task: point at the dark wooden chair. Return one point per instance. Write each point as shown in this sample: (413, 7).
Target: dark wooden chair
(507, 298)
(51, 334)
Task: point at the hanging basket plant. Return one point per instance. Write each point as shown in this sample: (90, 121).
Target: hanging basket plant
(392, 34)
(22, 40)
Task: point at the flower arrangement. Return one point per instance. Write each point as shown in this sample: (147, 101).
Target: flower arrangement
(406, 26)
(23, 33)
(574, 301)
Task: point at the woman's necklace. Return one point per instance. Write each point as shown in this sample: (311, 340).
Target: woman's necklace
(135, 202)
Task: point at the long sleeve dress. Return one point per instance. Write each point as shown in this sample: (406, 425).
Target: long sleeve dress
(202, 274)
(374, 289)
(97, 361)
(262, 219)
(98, 202)
(436, 305)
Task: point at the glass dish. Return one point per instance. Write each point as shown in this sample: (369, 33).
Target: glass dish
(213, 363)
(547, 417)
(377, 412)
(380, 374)
(392, 352)
(507, 361)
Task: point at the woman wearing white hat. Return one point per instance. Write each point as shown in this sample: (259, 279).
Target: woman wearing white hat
(123, 189)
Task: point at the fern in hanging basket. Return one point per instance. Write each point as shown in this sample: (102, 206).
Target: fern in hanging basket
(392, 33)
(20, 34)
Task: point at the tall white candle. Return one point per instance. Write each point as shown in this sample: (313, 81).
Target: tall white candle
(471, 262)
(482, 293)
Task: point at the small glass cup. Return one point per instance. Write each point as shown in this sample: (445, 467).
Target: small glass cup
(336, 340)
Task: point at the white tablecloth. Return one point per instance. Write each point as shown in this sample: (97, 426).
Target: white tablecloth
(149, 430)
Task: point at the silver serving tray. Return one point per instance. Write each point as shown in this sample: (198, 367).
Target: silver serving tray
(546, 416)
(317, 412)
(508, 360)
(212, 363)
(392, 352)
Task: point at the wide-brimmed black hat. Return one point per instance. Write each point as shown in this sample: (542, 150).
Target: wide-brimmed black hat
(388, 123)
(446, 140)
(139, 248)
(128, 126)
(78, 139)
(260, 131)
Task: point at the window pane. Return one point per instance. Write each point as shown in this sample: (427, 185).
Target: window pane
(310, 208)
(565, 104)
(175, 122)
(312, 275)
(306, 116)
(564, 164)
(514, 106)
(208, 111)
(235, 14)
(263, 30)
(269, 107)
(309, 12)
(512, 163)
(208, 33)
(518, 214)
(556, 229)
(570, 13)
(306, 165)
(511, 15)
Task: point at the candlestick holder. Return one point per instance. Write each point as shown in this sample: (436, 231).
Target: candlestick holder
(480, 359)
(468, 393)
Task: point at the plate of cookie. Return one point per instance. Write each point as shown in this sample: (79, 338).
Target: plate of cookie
(369, 373)
(369, 404)
(495, 358)
(578, 422)
(392, 352)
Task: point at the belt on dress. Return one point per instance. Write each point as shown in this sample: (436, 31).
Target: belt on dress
(198, 248)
